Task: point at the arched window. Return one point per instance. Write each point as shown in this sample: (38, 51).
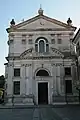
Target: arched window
(41, 45)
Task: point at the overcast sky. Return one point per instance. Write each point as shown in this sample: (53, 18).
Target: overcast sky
(24, 9)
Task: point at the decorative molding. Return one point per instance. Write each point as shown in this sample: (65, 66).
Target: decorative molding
(10, 64)
(6, 64)
(22, 65)
(26, 52)
(73, 64)
(39, 29)
(57, 64)
(49, 57)
(64, 48)
(28, 65)
(56, 51)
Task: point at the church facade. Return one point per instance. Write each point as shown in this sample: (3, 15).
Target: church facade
(39, 65)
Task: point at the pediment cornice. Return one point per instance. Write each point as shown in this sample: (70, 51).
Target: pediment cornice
(30, 53)
(24, 23)
(26, 53)
(57, 52)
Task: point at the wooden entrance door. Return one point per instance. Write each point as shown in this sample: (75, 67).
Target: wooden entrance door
(42, 93)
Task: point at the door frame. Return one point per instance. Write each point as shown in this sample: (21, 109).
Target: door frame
(37, 90)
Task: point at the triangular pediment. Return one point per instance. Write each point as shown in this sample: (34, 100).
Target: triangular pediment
(42, 22)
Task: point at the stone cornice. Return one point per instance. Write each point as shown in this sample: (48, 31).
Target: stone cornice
(5, 63)
(36, 58)
(39, 29)
(30, 54)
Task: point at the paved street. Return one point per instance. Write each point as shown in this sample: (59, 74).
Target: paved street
(42, 113)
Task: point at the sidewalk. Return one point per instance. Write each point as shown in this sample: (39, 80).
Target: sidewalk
(17, 106)
(36, 106)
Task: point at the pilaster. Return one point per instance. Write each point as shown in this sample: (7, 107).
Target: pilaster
(28, 79)
(22, 81)
(10, 80)
(62, 80)
(54, 79)
(58, 79)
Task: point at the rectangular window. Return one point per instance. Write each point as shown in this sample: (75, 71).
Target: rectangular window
(52, 41)
(16, 87)
(23, 41)
(23, 35)
(68, 85)
(68, 71)
(30, 35)
(59, 41)
(30, 41)
(17, 72)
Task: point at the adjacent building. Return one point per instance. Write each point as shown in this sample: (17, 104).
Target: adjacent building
(76, 41)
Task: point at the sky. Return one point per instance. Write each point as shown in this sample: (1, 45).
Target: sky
(25, 9)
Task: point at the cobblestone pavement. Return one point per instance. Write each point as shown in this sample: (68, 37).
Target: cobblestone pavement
(68, 112)
(41, 113)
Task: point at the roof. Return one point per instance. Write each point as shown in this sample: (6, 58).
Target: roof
(38, 17)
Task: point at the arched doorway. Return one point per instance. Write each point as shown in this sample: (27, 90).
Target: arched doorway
(42, 88)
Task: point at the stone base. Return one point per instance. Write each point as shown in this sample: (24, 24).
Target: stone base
(20, 100)
(9, 102)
